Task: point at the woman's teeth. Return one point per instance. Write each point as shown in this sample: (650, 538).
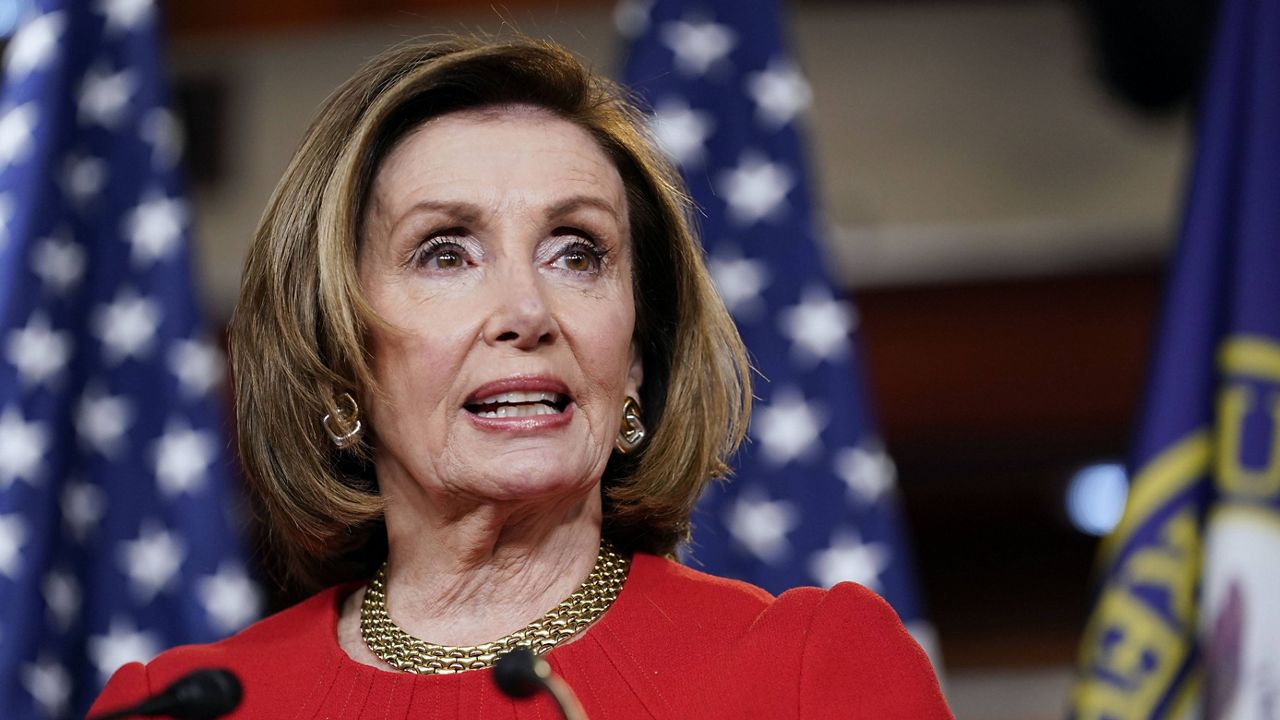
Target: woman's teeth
(521, 397)
(504, 411)
(519, 404)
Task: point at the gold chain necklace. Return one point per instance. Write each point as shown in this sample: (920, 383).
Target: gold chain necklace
(405, 652)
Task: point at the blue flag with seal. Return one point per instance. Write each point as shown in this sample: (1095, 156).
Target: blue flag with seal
(116, 539)
(1187, 623)
(814, 498)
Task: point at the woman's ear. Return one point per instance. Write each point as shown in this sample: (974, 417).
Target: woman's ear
(635, 374)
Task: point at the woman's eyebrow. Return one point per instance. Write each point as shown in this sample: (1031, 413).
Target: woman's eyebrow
(467, 213)
(459, 211)
(576, 202)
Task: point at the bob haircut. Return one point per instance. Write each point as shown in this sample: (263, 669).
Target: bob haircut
(298, 331)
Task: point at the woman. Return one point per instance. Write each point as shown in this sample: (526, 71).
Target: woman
(479, 359)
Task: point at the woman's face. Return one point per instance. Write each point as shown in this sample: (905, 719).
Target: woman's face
(497, 246)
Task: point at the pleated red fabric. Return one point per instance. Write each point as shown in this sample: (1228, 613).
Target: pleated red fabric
(676, 644)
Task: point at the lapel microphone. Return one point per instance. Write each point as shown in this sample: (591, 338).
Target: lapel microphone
(200, 695)
(520, 674)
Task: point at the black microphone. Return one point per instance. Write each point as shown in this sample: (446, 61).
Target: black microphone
(520, 673)
(200, 695)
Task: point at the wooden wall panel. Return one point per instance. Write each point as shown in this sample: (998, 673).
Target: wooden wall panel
(198, 17)
(990, 396)
(1061, 355)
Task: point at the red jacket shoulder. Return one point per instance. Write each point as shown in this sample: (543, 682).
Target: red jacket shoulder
(807, 653)
(271, 645)
(693, 601)
(305, 629)
(859, 660)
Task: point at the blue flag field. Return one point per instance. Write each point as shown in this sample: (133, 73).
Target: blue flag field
(1186, 624)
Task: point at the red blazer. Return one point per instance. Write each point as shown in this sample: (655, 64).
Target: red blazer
(676, 644)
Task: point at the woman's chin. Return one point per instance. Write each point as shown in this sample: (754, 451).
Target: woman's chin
(533, 476)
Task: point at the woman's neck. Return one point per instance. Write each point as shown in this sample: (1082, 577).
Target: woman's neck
(469, 575)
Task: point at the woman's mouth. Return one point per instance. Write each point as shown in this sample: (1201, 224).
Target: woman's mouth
(518, 404)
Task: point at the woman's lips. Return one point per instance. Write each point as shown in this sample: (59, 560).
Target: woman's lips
(520, 404)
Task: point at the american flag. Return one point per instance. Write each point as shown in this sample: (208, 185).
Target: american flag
(117, 538)
(814, 499)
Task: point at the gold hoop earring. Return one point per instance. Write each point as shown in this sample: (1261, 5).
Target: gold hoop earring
(632, 432)
(343, 425)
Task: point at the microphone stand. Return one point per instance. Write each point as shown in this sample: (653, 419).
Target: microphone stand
(567, 701)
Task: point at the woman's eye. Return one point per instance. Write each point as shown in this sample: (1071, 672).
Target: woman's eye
(440, 254)
(578, 261)
(447, 259)
(580, 257)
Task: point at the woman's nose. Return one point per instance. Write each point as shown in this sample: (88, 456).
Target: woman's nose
(519, 315)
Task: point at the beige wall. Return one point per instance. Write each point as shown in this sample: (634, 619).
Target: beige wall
(951, 139)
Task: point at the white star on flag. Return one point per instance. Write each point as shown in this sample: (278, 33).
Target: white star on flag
(125, 14)
(49, 685)
(848, 558)
(151, 562)
(230, 597)
(122, 644)
(756, 189)
(869, 473)
(182, 457)
(102, 420)
(739, 281)
(83, 178)
(197, 365)
(104, 96)
(22, 447)
(83, 505)
(154, 228)
(37, 351)
(62, 597)
(761, 525)
(164, 133)
(16, 126)
(13, 535)
(34, 44)
(789, 427)
(631, 17)
(682, 131)
(59, 263)
(780, 93)
(698, 45)
(819, 326)
(126, 326)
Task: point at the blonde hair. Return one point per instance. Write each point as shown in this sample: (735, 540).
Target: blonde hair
(298, 331)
